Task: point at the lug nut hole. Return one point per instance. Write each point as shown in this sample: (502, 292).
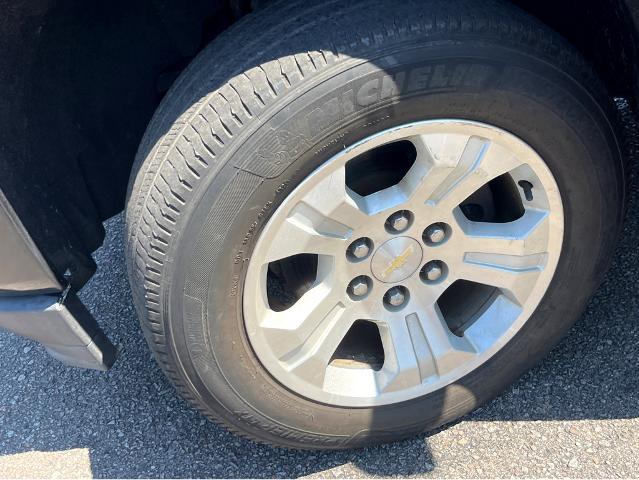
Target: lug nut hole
(359, 249)
(436, 234)
(359, 287)
(433, 272)
(396, 298)
(399, 222)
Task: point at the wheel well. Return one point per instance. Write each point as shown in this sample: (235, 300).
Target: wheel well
(603, 31)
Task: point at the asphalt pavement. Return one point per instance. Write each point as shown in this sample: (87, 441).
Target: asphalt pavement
(575, 415)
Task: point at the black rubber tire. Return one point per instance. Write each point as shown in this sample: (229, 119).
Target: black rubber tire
(284, 90)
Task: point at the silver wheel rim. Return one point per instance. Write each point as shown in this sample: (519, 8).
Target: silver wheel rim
(323, 216)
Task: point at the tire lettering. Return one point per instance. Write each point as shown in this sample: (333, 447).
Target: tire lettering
(368, 93)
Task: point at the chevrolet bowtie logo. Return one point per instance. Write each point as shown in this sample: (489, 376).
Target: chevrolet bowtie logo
(398, 261)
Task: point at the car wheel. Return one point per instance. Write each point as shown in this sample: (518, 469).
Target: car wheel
(351, 222)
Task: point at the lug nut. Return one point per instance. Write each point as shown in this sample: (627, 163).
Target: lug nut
(359, 287)
(396, 296)
(435, 233)
(360, 248)
(399, 221)
(432, 271)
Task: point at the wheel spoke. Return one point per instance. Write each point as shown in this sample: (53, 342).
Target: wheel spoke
(403, 358)
(334, 203)
(447, 349)
(525, 236)
(420, 347)
(497, 319)
(298, 234)
(311, 361)
(305, 336)
(508, 256)
(450, 167)
(442, 159)
(514, 275)
(322, 222)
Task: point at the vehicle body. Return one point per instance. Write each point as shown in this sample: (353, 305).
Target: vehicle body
(80, 83)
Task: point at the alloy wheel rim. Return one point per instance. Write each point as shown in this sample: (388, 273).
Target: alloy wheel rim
(390, 258)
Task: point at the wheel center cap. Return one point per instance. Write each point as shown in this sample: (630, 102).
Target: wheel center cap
(396, 259)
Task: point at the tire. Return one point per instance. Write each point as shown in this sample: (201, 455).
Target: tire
(284, 90)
